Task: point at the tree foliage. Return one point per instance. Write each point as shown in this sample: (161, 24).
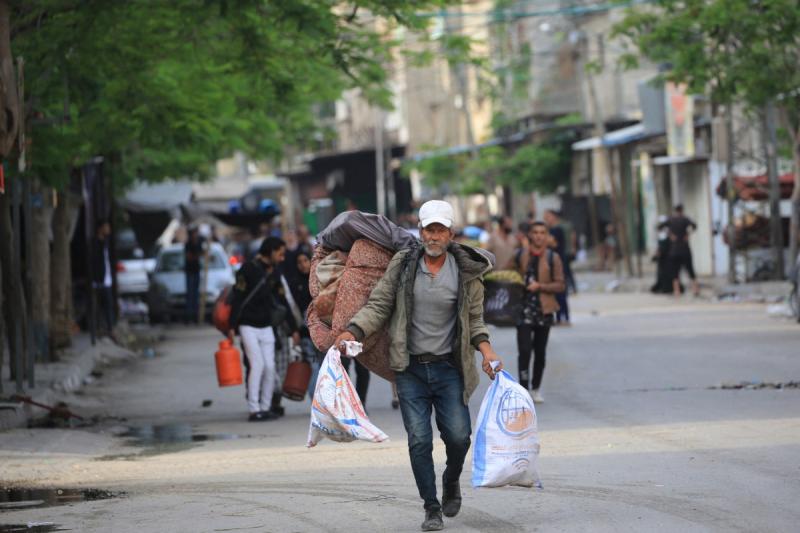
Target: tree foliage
(733, 50)
(163, 88)
(538, 167)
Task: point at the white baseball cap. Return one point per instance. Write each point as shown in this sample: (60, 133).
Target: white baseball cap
(436, 211)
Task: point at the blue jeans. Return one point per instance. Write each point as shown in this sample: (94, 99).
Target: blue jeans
(434, 385)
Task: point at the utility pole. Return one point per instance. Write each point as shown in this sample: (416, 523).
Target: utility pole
(577, 36)
(22, 165)
(617, 210)
(458, 72)
(775, 223)
(380, 165)
(731, 193)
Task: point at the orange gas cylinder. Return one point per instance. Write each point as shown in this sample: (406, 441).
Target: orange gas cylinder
(229, 364)
(298, 374)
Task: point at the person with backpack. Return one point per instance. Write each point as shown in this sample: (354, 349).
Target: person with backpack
(543, 272)
(259, 307)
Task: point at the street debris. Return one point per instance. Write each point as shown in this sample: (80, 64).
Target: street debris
(207, 403)
(59, 411)
(757, 385)
(780, 310)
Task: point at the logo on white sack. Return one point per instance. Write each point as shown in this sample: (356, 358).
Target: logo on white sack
(515, 416)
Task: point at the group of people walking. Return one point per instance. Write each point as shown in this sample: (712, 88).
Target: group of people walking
(430, 300)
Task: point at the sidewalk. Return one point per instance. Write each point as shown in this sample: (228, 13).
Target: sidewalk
(72, 371)
(713, 286)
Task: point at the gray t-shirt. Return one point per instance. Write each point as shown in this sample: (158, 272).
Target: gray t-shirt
(433, 322)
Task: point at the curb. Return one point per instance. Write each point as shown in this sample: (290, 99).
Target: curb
(68, 375)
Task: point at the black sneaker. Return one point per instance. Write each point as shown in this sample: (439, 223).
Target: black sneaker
(262, 416)
(277, 411)
(433, 520)
(451, 498)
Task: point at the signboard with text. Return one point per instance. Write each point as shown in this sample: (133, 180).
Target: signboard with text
(679, 111)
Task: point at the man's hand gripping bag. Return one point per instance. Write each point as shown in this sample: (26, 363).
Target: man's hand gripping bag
(507, 437)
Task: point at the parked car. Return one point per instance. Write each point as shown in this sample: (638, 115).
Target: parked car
(166, 297)
(132, 266)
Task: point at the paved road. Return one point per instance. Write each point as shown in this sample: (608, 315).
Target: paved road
(633, 439)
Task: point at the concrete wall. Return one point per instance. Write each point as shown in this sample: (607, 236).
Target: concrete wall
(696, 197)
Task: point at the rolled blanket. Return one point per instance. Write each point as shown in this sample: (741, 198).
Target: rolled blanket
(350, 226)
(366, 264)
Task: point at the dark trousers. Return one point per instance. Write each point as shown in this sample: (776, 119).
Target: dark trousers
(569, 276)
(362, 379)
(563, 307)
(421, 388)
(192, 295)
(532, 339)
(105, 301)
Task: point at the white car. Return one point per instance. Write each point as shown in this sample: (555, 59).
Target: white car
(132, 274)
(166, 297)
(132, 266)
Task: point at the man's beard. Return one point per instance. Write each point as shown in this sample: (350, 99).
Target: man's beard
(434, 250)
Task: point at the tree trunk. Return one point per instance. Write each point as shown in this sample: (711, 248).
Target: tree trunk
(9, 99)
(794, 229)
(14, 302)
(2, 330)
(61, 273)
(39, 265)
(775, 223)
(594, 226)
(794, 226)
(731, 193)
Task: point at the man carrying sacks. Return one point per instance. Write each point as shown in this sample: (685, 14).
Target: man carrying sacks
(431, 297)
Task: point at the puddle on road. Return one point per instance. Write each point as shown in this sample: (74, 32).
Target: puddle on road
(12, 499)
(168, 438)
(173, 434)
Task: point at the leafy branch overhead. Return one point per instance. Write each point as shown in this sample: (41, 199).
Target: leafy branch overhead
(165, 88)
(733, 50)
(542, 168)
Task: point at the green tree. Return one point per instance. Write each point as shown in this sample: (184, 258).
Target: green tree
(164, 88)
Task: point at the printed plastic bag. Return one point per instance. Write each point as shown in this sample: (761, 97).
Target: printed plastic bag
(336, 410)
(507, 438)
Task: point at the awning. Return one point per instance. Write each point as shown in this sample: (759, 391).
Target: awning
(678, 159)
(613, 138)
(756, 188)
(165, 196)
(466, 148)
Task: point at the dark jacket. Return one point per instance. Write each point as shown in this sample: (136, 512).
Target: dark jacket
(258, 311)
(99, 260)
(301, 292)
